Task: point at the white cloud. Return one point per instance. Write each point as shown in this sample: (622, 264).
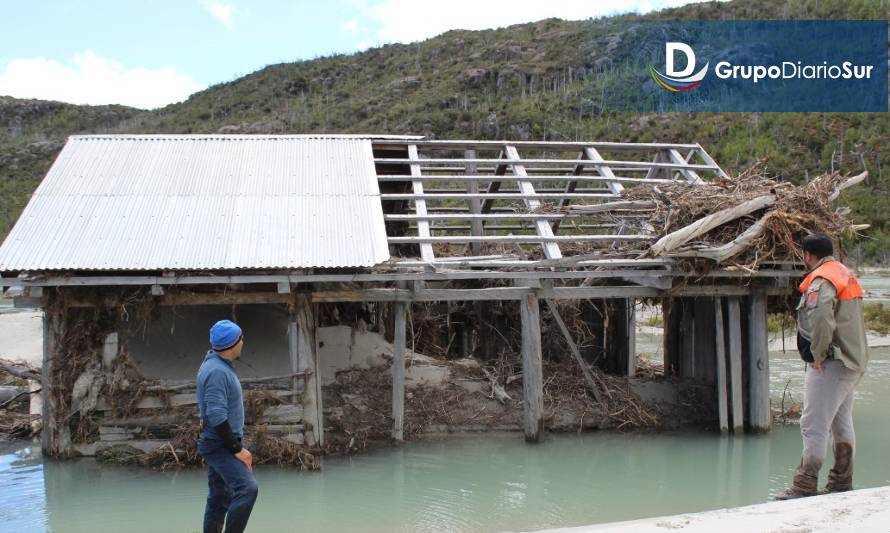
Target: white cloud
(405, 21)
(223, 11)
(94, 80)
(350, 26)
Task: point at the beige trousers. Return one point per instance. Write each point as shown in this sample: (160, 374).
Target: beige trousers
(827, 409)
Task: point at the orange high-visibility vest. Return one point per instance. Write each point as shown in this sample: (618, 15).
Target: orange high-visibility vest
(845, 283)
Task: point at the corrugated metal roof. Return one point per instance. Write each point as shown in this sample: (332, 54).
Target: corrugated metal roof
(198, 202)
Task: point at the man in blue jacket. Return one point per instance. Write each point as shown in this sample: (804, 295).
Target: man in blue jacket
(233, 489)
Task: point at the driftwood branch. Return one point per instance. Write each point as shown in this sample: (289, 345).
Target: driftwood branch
(8, 402)
(585, 370)
(732, 248)
(20, 370)
(859, 178)
(623, 205)
(499, 393)
(698, 228)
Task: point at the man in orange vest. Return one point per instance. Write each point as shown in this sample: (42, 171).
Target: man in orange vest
(831, 339)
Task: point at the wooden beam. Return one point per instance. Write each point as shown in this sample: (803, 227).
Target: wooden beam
(495, 185)
(296, 364)
(720, 357)
(690, 175)
(622, 205)
(477, 178)
(485, 216)
(54, 437)
(528, 196)
(307, 357)
(758, 364)
(461, 228)
(709, 160)
(476, 224)
(576, 353)
(552, 254)
(550, 146)
(734, 325)
(398, 371)
(661, 156)
(604, 169)
(447, 295)
(570, 188)
(27, 302)
(543, 162)
(423, 228)
(532, 373)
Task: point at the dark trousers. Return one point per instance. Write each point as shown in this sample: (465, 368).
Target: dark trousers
(233, 491)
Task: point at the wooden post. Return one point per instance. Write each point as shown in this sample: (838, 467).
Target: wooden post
(672, 311)
(532, 378)
(720, 357)
(619, 337)
(475, 203)
(631, 320)
(758, 368)
(687, 339)
(398, 371)
(703, 315)
(305, 354)
(49, 435)
(293, 350)
(734, 324)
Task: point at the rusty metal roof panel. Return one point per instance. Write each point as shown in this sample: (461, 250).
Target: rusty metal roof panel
(196, 202)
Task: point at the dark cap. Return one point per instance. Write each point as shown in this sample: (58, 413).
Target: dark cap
(818, 244)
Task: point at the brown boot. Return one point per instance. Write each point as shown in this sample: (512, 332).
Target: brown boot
(840, 477)
(806, 479)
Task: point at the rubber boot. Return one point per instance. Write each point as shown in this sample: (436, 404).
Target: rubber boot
(806, 479)
(840, 477)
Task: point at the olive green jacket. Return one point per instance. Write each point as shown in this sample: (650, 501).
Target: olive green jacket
(833, 327)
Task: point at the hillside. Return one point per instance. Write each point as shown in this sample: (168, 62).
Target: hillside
(532, 81)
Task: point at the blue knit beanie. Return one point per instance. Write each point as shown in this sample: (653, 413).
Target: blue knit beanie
(224, 334)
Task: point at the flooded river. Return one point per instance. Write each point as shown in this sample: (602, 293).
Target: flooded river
(466, 483)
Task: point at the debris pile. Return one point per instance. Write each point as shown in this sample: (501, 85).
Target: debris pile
(747, 220)
(15, 394)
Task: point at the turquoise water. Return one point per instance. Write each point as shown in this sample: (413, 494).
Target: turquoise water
(467, 483)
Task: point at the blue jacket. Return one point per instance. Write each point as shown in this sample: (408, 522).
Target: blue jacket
(219, 396)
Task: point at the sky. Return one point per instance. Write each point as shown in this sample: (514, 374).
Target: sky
(151, 53)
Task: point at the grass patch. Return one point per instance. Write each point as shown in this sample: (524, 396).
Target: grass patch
(778, 322)
(655, 321)
(877, 318)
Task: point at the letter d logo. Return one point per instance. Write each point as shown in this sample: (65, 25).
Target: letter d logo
(670, 50)
(681, 80)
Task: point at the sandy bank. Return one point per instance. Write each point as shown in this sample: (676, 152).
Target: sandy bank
(864, 510)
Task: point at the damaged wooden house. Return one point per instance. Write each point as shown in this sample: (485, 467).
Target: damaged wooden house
(135, 244)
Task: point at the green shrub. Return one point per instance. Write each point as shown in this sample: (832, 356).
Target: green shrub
(778, 322)
(877, 318)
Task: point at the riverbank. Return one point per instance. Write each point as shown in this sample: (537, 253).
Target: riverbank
(862, 511)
